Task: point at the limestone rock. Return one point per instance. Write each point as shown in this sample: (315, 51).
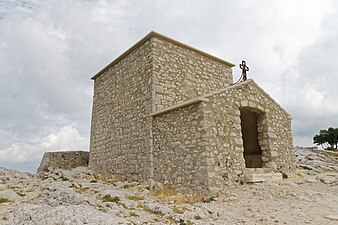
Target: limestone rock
(62, 215)
(75, 196)
(261, 177)
(10, 195)
(332, 217)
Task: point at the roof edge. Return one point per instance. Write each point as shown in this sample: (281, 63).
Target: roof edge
(179, 105)
(249, 81)
(160, 36)
(204, 98)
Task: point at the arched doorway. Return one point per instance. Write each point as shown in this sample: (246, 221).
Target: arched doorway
(249, 125)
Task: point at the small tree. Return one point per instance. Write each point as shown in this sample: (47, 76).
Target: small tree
(328, 139)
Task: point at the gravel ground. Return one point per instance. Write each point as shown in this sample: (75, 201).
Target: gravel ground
(309, 196)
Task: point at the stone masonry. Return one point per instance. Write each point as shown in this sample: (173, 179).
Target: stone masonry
(169, 112)
(63, 160)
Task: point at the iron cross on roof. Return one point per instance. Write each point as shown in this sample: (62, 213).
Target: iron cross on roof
(244, 68)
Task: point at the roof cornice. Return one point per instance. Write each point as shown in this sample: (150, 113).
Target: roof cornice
(160, 36)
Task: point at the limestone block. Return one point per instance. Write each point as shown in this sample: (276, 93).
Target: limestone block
(244, 103)
(261, 177)
(158, 88)
(274, 154)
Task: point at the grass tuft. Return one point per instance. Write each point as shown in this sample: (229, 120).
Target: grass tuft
(156, 212)
(109, 198)
(133, 214)
(178, 210)
(4, 200)
(197, 217)
(135, 197)
(81, 190)
(167, 193)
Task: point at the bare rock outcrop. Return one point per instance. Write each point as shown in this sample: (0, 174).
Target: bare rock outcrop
(79, 196)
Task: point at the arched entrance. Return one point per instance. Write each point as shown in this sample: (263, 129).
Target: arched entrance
(249, 125)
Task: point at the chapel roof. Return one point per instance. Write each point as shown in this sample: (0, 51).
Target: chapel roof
(162, 37)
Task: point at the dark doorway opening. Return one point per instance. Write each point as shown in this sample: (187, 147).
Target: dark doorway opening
(252, 150)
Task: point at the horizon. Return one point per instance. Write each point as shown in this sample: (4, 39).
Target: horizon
(49, 51)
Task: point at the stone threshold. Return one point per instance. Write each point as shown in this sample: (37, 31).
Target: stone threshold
(262, 177)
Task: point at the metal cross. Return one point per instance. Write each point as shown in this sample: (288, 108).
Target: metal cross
(244, 69)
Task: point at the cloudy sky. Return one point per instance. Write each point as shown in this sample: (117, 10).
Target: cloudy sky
(50, 49)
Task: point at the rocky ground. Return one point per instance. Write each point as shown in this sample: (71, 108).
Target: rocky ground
(59, 197)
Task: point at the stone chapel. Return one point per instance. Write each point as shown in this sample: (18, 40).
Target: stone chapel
(169, 112)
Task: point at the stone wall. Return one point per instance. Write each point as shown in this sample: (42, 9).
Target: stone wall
(155, 73)
(147, 123)
(180, 74)
(63, 160)
(120, 133)
(223, 130)
(179, 149)
(199, 147)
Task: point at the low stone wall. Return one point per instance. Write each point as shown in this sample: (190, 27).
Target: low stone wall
(63, 160)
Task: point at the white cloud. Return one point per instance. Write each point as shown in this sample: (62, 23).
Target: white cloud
(66, 138)
(47, 56)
